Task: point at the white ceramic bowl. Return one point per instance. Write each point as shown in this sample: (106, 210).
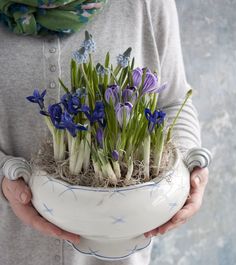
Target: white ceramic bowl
(111, 221)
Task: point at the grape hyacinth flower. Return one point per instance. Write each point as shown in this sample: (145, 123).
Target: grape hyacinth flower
(155, 118)
(89, 44)
(101, 70)
(98, 114)
(130, 93)
(80, 56)
(38, 98)
(123, 112)
(137, 76)
(112, 94)
(123, 59)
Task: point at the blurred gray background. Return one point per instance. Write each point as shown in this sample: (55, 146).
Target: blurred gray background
(208, 32)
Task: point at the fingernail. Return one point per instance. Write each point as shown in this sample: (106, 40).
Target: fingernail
(23, 197)
(197, 180)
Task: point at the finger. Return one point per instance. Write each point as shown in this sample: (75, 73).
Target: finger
(151, 233)
(199, 178)
(192, 205)
(18, 190)
(30, 216)
(170, 225)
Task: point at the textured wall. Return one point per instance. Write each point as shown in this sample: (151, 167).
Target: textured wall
(208, 31)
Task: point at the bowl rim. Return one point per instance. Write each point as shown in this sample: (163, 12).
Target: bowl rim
(152, 182)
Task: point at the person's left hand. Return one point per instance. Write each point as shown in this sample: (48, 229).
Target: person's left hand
(199, 179)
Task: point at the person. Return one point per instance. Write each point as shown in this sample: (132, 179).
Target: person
(32, 60)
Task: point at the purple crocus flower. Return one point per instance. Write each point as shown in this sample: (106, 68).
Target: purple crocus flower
(137, 76)
(115, 155)
(130, 93)
(98, 115)
(55, 113)
(150, 84)
(38, 98)
(69, 124)
(112, 94)
(99, 137)
(155, 118)
(121, 110)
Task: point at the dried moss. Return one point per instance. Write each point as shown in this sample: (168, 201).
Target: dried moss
(44, 160)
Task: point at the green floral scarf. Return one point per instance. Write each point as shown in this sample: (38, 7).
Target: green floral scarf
(40, 17)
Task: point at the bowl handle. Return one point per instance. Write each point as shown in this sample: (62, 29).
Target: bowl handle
(197, 157)
(15, 168)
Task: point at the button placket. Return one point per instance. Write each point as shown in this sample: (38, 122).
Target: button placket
(51, 56)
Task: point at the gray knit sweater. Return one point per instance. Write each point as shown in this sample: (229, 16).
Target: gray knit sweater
(151, 28)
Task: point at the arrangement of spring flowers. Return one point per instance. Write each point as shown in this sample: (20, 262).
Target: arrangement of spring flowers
(108, 117)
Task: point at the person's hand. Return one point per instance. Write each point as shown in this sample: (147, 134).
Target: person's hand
(199, 179)
(19, 196)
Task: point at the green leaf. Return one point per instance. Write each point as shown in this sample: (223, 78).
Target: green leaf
(107, 60)
(73, 75)
(66, 89)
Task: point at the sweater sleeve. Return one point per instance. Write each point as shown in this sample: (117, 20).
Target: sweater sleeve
(186, 133)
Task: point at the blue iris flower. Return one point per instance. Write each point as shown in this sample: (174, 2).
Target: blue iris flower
(64, 120)
(55, 113)
(69, 124)
(98, 115)
(155, 118)
(38, 98)
(71, 102)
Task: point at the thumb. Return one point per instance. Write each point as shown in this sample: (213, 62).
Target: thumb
(199, 177)
(19, 190)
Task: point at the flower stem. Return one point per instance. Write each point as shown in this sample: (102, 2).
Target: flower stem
(116, 167)
(97, 170)
(80, 157)
(169, 134)
(87, 146)
(130, 169)
(108, 171)
(146, 155)
(158, 153)
(58, 140)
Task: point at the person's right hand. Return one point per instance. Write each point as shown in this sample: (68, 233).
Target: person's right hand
(19, 196)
